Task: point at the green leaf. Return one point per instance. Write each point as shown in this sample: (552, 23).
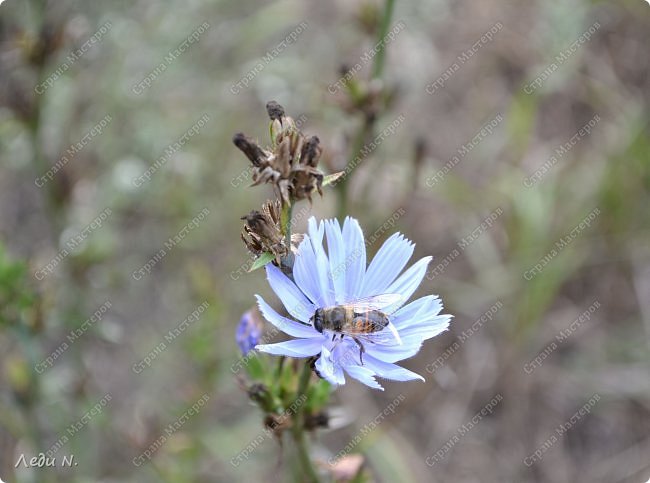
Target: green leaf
(262, 260)
(332, 178)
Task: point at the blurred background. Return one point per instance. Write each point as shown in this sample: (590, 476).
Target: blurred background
(519, 157)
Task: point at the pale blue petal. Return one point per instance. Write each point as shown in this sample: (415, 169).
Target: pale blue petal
(305, 273)
(346, 352)
(387, 264)
(292, 297)
(426, 329)
(294, 348)
(316, 232)
(408, 282)
(336, 255)
(288, 326)
(416, 310)
(410, 346)
(363, 375)
(388, 370)
(328, 370)
(355, 256)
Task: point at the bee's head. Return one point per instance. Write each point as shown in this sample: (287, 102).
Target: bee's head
(317, 320)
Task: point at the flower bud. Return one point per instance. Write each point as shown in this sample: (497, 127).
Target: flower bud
(249, 331)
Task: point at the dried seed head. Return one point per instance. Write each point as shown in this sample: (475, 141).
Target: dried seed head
(262, 232)
(291, 164)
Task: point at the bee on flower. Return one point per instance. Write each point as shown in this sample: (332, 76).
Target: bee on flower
(350, 318)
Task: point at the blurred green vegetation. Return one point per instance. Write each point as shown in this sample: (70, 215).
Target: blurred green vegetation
(608, 261)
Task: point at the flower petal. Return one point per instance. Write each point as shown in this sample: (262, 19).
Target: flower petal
(291, 296)
(421, 318)
(428, 328)
(388, 370)
(286, 325)
(387, 264)
(316, 232)
(411, 345)
(408, 282)
(328, 369)
(346, 352)
(363, 375)
(355, 258)
(294, 348)
(305, 273)
(417, 309)
(337, 261)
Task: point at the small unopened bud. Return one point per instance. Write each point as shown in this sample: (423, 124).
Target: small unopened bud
(249, 331)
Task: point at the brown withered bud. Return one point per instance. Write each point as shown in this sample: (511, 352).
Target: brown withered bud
(311, 152)
(262, 231)
(275, 110)
(250, 148)
(258, 223)
(290, 164)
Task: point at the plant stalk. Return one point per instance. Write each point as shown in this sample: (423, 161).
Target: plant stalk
(367, 127)
(378, 66)
(298, 428)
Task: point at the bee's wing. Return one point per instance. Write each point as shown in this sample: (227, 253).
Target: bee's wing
(376, 302)
(387, 337)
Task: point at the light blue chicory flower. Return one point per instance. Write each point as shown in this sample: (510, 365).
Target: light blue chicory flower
(341, 277)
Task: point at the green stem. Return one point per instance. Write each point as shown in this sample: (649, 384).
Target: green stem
(278, 369)
(367, 128)
(298, 429)
(288, 212)
(380, 58)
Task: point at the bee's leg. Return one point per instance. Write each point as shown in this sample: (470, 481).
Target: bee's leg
(312, 364)
(362, 349)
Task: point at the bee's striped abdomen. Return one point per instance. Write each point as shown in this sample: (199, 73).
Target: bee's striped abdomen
(368, 322)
